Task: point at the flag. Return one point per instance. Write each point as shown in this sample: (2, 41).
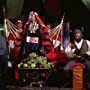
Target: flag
(66, 34)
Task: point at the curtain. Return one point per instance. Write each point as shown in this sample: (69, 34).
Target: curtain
(86, 3)
(14, 8)
(53, 8)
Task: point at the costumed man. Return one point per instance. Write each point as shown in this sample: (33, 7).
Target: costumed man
(78, 47)
(46, 42)
(19, 36)
(52, 42)
(15, 42)
(50, 49)
(32, 36)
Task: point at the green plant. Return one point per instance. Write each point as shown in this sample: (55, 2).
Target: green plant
(35, 61)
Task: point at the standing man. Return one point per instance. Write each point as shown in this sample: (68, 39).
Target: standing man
(3, 62)
(15, 42)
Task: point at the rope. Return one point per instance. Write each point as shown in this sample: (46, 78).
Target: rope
(11, 31)
(58, 29)
(14, 26)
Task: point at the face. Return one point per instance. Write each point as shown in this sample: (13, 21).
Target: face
(77, 36)
(31, 16)
(42, 50)
(49, 27)
(20, 24)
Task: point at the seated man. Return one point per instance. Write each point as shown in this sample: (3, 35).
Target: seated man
(78, 47)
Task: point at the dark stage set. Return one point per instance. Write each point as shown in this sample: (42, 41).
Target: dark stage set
(76, 12)
(50, 11)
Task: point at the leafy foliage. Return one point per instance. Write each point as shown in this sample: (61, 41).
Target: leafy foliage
(35, 61)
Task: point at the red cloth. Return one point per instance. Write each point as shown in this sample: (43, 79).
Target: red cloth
(18, 43)
(46, 43)
(10, 37)
(15, 36)
(51, 56)
(56, 37)
(14, 52)
(17, 74)
(78, 64)
(53, 8)
(55, 56)
(43, 30)
(39, 20)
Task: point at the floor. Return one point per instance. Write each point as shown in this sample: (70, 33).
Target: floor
(56, 81)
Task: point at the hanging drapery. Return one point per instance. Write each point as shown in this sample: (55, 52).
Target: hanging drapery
(86, 3)
(13, 8)
(52, 7)
(66, 34)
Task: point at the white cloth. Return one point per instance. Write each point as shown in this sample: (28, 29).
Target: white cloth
(78, 44)
(32, 39)
(70, 52)
(9, 64)
(11, 44)
(56, 43)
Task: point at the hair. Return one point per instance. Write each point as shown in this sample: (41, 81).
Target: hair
(78, 31)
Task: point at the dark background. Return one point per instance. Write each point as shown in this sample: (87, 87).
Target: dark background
(52, 11)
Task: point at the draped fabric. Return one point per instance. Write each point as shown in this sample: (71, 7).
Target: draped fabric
(14, 8)
(86, 3)
(53, 8)
(66, 34)
(2, 3)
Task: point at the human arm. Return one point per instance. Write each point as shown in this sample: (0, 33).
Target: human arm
(87, 54)
(70, 52)
(88, 43)
(3, 45)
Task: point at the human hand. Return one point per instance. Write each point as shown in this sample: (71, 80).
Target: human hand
(35, 13)
(77, 52)
(85, 55)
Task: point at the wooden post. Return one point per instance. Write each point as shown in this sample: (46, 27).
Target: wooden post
(78, 76)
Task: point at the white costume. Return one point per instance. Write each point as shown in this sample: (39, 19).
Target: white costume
(70, 53)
